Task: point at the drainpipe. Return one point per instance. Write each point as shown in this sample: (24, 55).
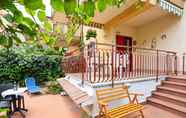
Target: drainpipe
(176, 64)
(183, 63)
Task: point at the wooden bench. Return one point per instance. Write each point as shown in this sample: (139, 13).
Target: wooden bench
(107, 95)
(76, 94)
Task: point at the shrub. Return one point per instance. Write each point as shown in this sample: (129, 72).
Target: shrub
(42, 67)
(18, 63)
(54, 88)
(9, 66)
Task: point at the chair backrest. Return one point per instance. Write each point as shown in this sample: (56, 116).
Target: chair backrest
(4, 87)
(107, 95)
(30, 81)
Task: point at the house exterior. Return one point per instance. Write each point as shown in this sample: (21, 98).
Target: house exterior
(133, 22)
(135, 46)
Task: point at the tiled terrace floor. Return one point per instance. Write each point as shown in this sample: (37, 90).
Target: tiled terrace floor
(56, 106)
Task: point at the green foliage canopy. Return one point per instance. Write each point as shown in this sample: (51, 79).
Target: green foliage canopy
(29, 60)
(81, 12)
(13, 24)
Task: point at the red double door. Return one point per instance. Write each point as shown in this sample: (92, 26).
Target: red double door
(125, 41)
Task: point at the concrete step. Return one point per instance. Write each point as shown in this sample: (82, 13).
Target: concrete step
(167, 106)
(176, 85)
(170, 98)
(176, 79)
(172, 91)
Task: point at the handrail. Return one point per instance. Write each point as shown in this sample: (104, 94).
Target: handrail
(110, 65)
(107, 44)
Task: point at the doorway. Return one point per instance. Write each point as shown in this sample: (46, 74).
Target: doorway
(125, 41)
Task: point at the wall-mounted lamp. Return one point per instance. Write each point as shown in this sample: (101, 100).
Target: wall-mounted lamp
(163, 37)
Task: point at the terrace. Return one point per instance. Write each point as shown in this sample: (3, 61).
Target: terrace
(133, 52)
(106, 67)
(128, 58)
(71, 110)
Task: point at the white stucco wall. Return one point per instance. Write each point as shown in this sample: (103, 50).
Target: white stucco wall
(119, 30)
(172, 26)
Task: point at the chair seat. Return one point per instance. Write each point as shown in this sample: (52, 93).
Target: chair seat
(124, 110)
(31, 85)
(34, 89)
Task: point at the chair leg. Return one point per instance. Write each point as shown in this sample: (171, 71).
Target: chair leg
(142, 115)
(22, 100)
(100, 115)
(9, 115)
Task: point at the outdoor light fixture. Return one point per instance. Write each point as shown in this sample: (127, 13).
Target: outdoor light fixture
(163, 36)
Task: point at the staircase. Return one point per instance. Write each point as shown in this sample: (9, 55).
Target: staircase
(170, 95)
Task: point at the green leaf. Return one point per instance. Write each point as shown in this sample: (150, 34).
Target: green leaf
(87, 19)
(3, 40)
(117, 3)
(9, 17)
(28, 22)
(58, 28)
(10, 42)
(26, 30)
(48, 26)
(5, 22)
(41, 15)
(51, 41)
(109, 2)
(21, 1)
(8, 5)
(69, 6)
(101, 5)
(34, 4)
(17, 39)
(45, 38)
(89, 8)
(18, 16)
(58, 5)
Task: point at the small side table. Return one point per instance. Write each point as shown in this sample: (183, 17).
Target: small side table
(18, 97)
(17, 92)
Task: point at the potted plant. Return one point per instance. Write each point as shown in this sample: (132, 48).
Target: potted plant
(91, 34)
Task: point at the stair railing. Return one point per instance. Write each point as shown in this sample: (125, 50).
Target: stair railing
(111, 63)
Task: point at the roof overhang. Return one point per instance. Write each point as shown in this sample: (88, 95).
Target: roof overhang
(114, 16)
(100, 18)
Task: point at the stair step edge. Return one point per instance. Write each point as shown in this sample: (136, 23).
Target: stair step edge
(168, 105)
(170, 89)
(173, 97)
(178, 78)
(175, 83)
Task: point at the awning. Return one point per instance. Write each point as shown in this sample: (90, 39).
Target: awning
(95, 25)
(171, 8)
